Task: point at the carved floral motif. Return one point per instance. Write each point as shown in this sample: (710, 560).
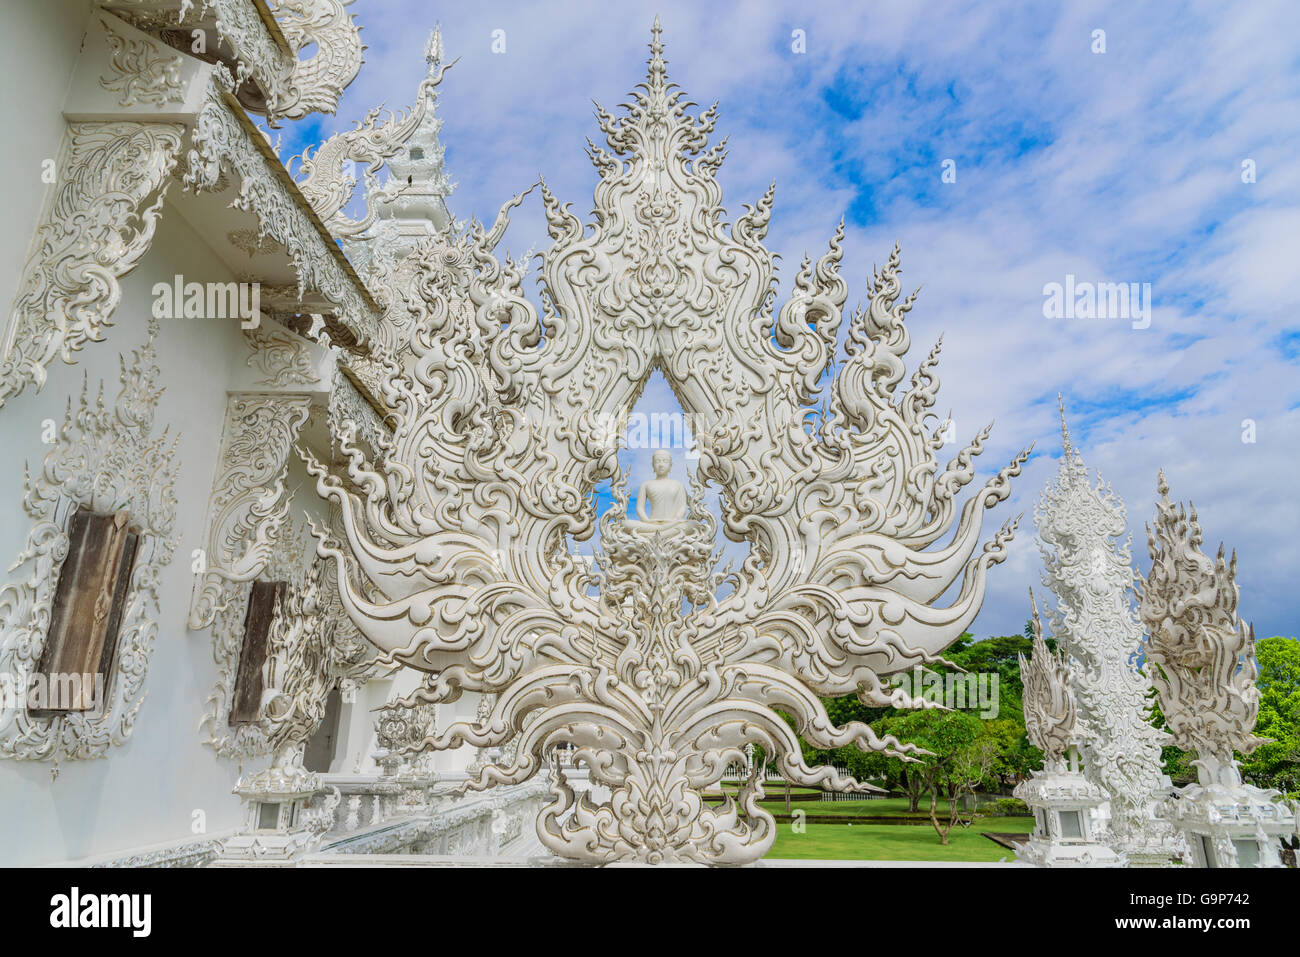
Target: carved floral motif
(96, 227)
(106, 459)
(248, 504)
(139, 73)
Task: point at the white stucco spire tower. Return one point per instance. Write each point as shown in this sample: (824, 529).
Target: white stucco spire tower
(421, 209)
(1091, 575)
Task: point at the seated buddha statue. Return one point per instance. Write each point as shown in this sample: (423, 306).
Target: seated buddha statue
(661, 500)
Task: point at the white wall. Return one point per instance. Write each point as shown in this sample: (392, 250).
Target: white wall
(148, 790)
(39, 45)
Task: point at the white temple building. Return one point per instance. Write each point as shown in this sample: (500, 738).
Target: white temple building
(133, 383)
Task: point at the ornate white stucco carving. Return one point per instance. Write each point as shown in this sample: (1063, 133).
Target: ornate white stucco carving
(326, 179)
(455, 560)
(250, 242)
(107, 458)
(1202, 661)
(288, 554)
(314, 85)
(221, 139)
(297, 677)
(138, 72)
(298, 672)
(350, 414)
(406, 214)
(293, 86)
(1059, 794)
(1051, 716)
(282, 358)
(195, 852)
(1091, 575)
(98, 223)
(1205, 655)
(399, 730)
(249, 503)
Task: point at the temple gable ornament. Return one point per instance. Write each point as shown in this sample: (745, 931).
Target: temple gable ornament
(654, 666)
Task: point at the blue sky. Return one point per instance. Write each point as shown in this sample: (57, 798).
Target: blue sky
(1122, 166)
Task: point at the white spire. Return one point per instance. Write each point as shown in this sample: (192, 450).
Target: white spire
(433, 52)
(1091, 575)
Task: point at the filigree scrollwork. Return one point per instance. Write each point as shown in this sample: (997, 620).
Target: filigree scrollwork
(139, 73)
(248, 503)
(107, 458)
(97, 225)
(454, 559)
(325, 178)
(1204, 655)
(220, 139)
(1091, 574)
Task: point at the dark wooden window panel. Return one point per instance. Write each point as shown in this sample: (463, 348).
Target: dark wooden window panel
(87, 612)
(319, 753)
(247, 695)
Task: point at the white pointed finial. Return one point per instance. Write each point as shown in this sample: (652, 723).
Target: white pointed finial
(1065, 429)
(433, 52)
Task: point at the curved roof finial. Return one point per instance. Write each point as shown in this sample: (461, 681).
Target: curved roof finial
(433, 52)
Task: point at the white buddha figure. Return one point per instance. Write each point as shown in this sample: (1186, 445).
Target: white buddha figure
(662, 500)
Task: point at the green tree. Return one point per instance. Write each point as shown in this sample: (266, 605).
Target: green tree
(1012, 756)
(961, 758)
(1277, 763)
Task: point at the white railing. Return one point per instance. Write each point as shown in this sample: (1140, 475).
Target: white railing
(737, 773)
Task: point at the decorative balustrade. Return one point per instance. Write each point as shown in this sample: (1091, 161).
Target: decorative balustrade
(407, 815)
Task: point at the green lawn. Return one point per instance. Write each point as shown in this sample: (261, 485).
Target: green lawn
(885, 842)
(894, 842)
(886, 807)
